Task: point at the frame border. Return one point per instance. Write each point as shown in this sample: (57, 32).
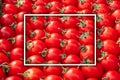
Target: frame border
(94, 15)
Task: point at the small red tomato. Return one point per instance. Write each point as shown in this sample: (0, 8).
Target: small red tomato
(4, 58)
(70, 2)
(33, 74)
(41, 2)
(85, 4)
(37, 34)
(2, 74)
(87, 54)
(19, 28)
(39, 9)
(54, 6)
(71, 59)
(71, 46)
(101, 8)
(86, 25)
(10, 9)
(54, 27)
(25, 5)
(52, 77)
(71, 33)
(5, 45)
(87, 38)
(114, 4)
(117, 28)
(19, 40)
(54, 40)
(13, 78)
(37, 22)
(35, 47)
(92, 79)
(110, 46)
(104, 20)
(7, 32)
(16, 54)
(93, 71)
(109, 60)
(53, 54)
(108, 33)
(73, 74)
(111, 75)
(116, 14)
(7, 19)
(16, 67)
(69, 9)
(20, 17)
(69, 22)
(35, 59)
(53, 70)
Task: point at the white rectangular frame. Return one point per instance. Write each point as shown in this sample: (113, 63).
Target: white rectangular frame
(94, 15)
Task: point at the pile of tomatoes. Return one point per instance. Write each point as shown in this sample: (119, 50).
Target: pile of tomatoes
(60, 40)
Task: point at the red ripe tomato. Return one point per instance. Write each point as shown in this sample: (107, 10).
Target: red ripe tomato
(4, 58)
(10, 9)
(25, 5)
(52, 77)
(108, 33)
(109, 60)
(35, 47)
(85, 11)
(54, 27)
(101, 8)
(72, 59)
(101, 1)
(87, 38)
(116, 14)
(70, 2)
(54, 18)
(117, 28)
(111, 75)
(7, 32)
(71, 33)
(87, 54)
(33, 74)
(54, 6)
(85, 4)
(114, 4)
(29, 29)
(110, 46)
(92, 79)
(69, 9)
(41, 2)
(19, 28)
(13, 78)
(54, 54)
(73, 74)
(71, 46)
(104, 20)
(35, 59)
(37, 9)
(37, 22)
(2, 74)
(18, 41)
(19, 16)
(86, 25)
(16, 67)
(5, 45)
(9, 1)
(93, 71)
(7, 19)
(37, 34)
(16, 54)
(70, 22)
(54, 40)
(53, 70)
